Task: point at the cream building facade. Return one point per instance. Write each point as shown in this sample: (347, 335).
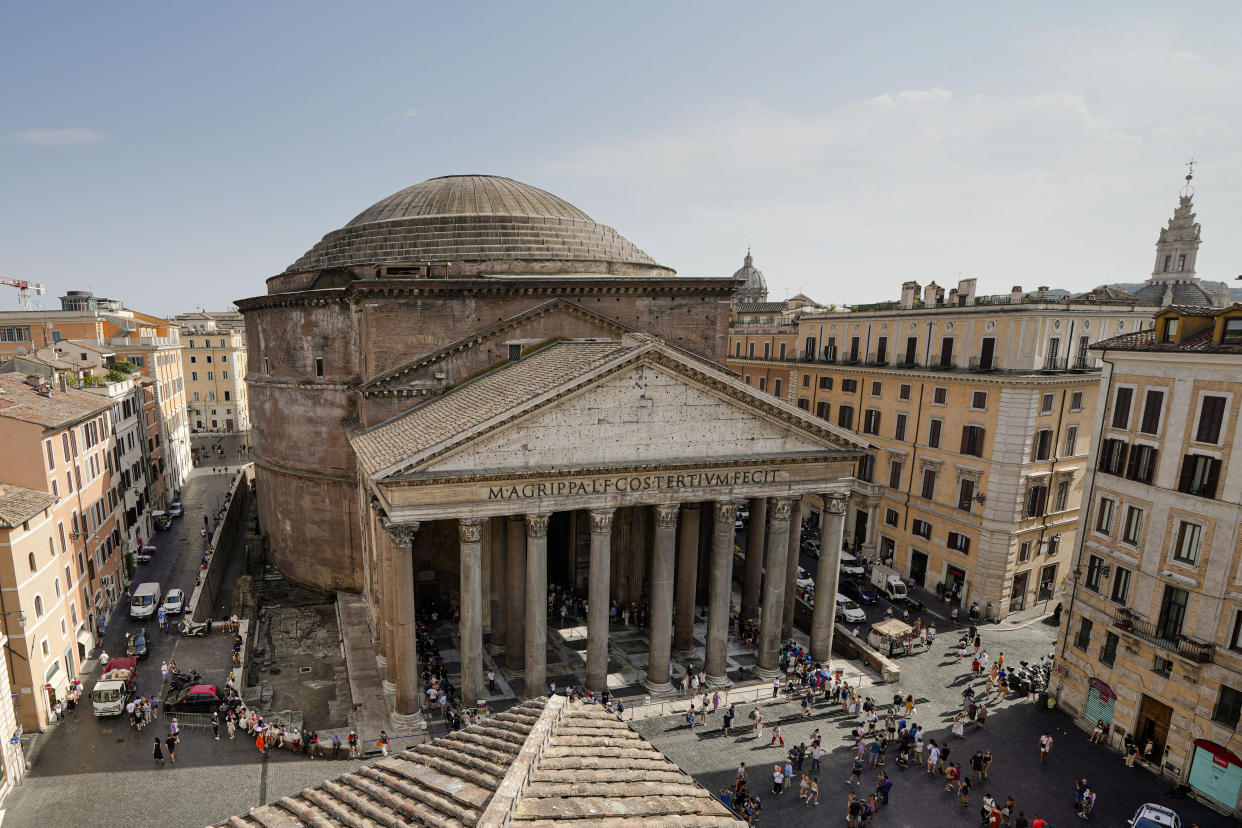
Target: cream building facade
(1152, 643)
(213, 362)
(979, 411)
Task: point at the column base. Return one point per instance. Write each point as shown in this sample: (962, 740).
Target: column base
(717, 681)
(409, 721)
(658, 688)
(381, 663)
(508, 673)
(390, 688)
(494, 649)
(767, 674)
(685, 655)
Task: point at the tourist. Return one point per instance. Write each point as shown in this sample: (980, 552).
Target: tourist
(158, 753)
(1045, 746)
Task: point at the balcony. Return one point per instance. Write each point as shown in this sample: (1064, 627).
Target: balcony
(1085, 363)
(1195, 651)
(1055, 363)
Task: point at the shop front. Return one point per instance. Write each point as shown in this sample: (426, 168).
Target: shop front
(1100, 702)
(1216, 772)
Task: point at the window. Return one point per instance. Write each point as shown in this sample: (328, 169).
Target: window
(1232, 333)
(750, 350)
(1199, 476)
(1061, 499)
(1113, 456)
(1121, 407)
(38, 606)
(1108, 653)
(1142, 465)
(853, 349)
(825, 383)
(871, 421)
(1024, 551)
(267, 363)
(1104, 515)
(912, 347)
(1071, 441)
(929, 484)
(966, 494)
(849, 386)
(1083, 638)
(1132, 528)
(940, 395)
(763, 383)
(51, 455)
(784, 347)
(866, 468)
(1045, 404)
(1095, 573)
(959, 543)
(972, 440)
(1186, 547)
(891, 517)
(224, 375)
(804, 403)
(979, 400)
(845, 416)
(1042, 448)
(806, 380)
(737, 348)
(903, 391)
(987, 352)
(1036, 499)
(767, 350)
(1228, 707)
(1121, 584)
(1076, 401)
(33, 565)
(1172, 613)
(881, 350)
(211, 375)
(193, 360)
(194, 375)
(899, 429)
(895, 469)
(1211, 416)
(821, 410)
(933, 433)
(876, 388)
(1152, 404)
(921, 528)
(946, 352)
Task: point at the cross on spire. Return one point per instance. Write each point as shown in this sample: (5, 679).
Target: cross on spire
(1188, 189)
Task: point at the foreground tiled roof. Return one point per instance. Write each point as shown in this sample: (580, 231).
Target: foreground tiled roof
(20, 401)
(1146, 341)
(18, 504)
(537, 765)
(479, 400)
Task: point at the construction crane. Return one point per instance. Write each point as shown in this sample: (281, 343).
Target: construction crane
(24, 288)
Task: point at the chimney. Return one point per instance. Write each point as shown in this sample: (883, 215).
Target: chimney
(931, 295)
(909, 294)
(1015, 295)
(953, 297)
(966, 292)
(64, 384)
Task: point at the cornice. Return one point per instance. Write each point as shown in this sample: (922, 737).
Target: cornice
(971, 377)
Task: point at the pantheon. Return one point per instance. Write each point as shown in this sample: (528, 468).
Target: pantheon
(473, 389)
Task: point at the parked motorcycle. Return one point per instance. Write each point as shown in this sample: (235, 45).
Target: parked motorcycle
(188, 627)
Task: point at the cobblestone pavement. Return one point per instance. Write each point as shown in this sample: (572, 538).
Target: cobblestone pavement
(936, 679)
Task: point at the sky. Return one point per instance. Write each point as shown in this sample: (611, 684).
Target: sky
(176, 155)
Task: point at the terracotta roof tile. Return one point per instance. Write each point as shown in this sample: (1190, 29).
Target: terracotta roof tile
(18, 504)
(1146, 341)
(20, 401)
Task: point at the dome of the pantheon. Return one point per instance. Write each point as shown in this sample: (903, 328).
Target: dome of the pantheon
(478, 225)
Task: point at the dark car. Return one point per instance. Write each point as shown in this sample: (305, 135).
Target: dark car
(202, 698)
(859, 592)
(136, 644)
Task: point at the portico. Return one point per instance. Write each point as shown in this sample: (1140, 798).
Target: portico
(618, 467)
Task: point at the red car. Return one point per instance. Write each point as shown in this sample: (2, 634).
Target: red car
(202, 698)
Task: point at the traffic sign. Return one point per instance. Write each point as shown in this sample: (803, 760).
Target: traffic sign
(14, 740)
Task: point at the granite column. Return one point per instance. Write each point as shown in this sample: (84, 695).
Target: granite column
(662, 565)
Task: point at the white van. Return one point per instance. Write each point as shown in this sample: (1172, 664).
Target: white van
(145, 601)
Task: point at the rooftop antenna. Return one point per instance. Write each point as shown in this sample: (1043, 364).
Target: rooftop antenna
(1188, 189)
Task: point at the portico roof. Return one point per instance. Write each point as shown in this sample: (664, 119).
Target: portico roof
(678, 391)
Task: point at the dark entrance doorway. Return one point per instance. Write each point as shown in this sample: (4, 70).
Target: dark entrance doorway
(918, 567)
(1047, 580)
(860, 528)
(1017, 593)
(1153, 727)
(955, 582)
(986, 351)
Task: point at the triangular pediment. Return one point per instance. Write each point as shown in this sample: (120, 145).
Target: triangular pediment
(559, 318)
(641, 404)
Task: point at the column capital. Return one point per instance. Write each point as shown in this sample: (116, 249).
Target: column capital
(781, 508)
(666, 515)
(400, 532)
(726, 510)
(470, 530)
(835, 502)
(537, 525)
(601, 521)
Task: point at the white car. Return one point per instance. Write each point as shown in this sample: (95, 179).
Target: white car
(1155, 816)
(850, 565)
(804, 580)
(174, 602)
(849, 612)
(175, 509)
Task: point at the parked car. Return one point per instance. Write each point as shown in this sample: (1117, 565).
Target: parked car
(174, 602)
(136, 644)
(202, 698)
(804, 579)
(851, 565)
(175, 510)
(1155, 816)
(849, 612)
(861, 593)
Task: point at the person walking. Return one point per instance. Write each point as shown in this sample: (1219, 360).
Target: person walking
(1045, 747)
(158, 753)
(215, 725)
(353, 744)
(230, 724)
(727, 720)
(976, 765)
(813, 799)
(963, 790)
(855, 777)
(777, 735)
(171, 744)
(262, 745)
(383, 743)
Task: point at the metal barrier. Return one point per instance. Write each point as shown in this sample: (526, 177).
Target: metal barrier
(752, 693)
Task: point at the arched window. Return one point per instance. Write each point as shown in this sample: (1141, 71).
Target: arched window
(32, 562)
(56, 584)
(38, 606)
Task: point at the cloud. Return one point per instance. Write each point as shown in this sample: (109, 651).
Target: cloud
(410, 113)
(58, 137)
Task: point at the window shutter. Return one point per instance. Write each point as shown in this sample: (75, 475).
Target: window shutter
(1213, 478)
(1187, 475)
(965, 440)
(1132, 464)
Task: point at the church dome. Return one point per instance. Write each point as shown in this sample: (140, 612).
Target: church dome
(479, 225)
(753, 287)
